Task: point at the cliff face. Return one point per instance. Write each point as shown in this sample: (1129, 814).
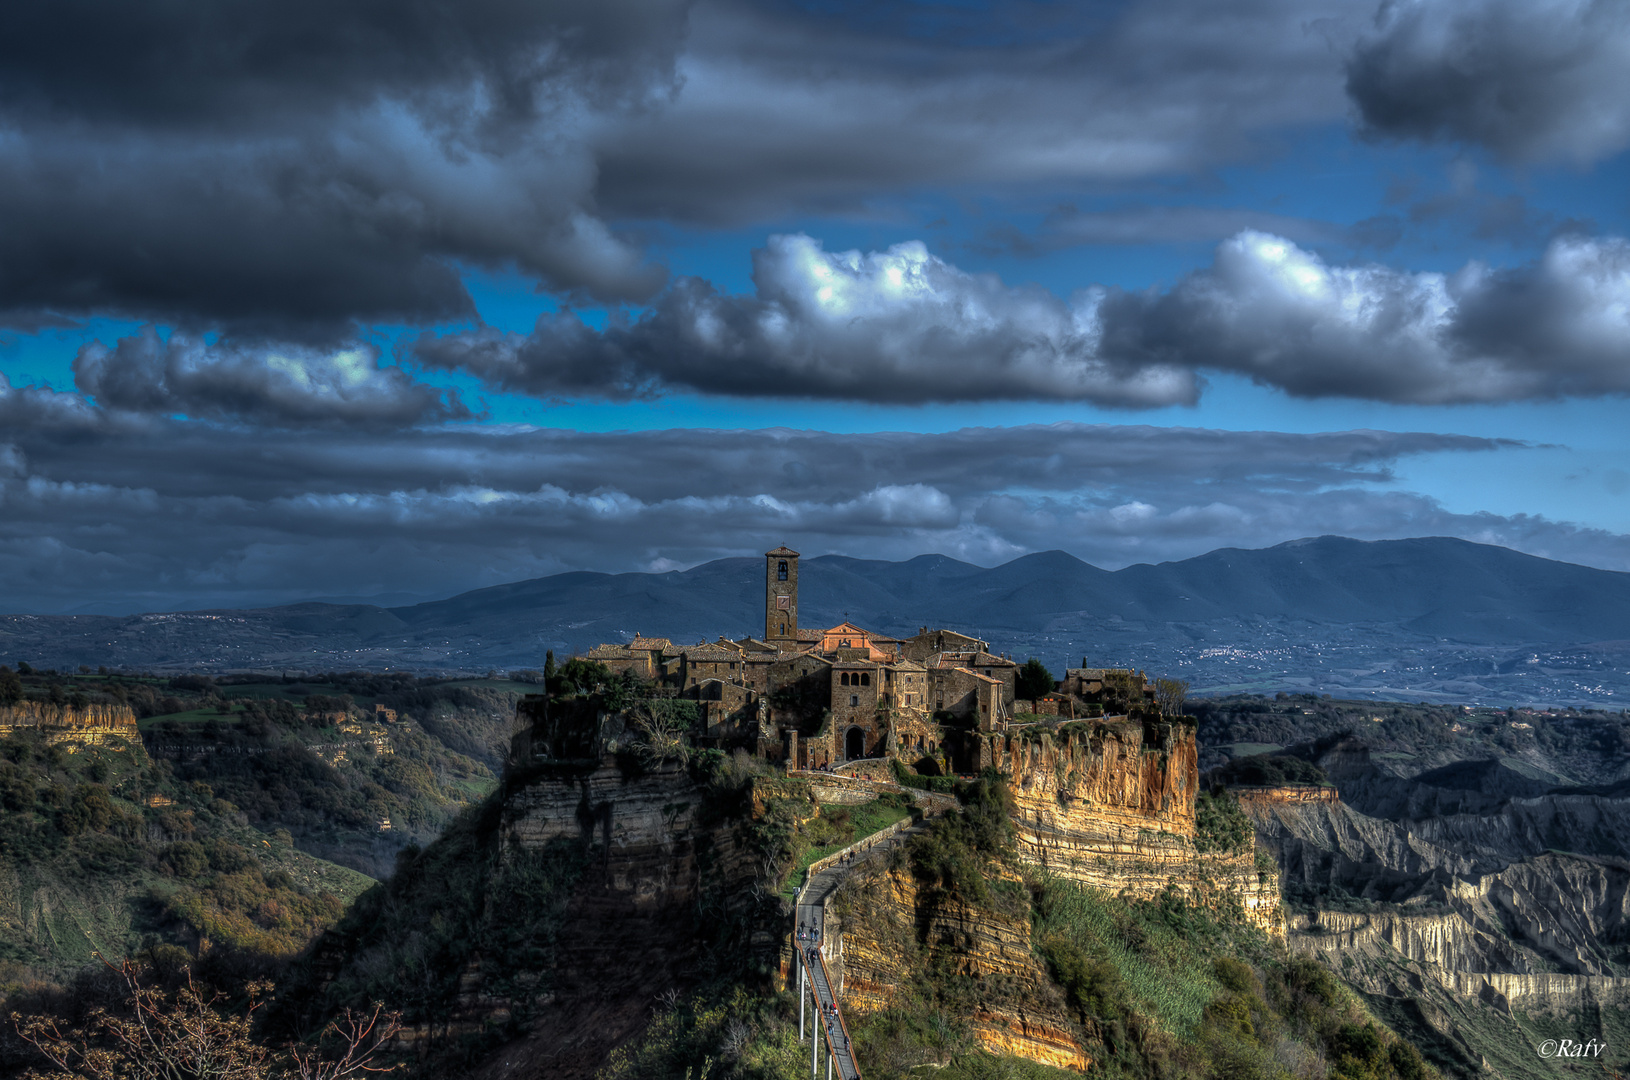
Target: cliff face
(666, 880)
(109, 725)
(890, 932)
(1449, 923)
(1112, 806)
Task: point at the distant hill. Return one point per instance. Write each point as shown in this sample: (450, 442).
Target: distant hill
(1309, 613)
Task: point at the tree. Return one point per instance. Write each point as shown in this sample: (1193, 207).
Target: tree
(666, 724)
(548, 665)
(1170, 694)
(186, 1035)
(11, 687)
(1034, 680)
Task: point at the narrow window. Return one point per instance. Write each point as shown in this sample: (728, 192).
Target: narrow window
(865, 678)
(854, 700)
(843, 678)
(781, 570)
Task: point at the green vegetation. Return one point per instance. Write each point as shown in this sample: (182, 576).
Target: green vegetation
(104, 850)
(344, 786)
(1268, 770)
(836, 827)
(454, 908)
(1033, 680)
(1220, 825)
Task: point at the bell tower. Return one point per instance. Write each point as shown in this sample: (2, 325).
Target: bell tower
(781, 597)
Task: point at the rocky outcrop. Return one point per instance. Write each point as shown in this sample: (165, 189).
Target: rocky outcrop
(890, 932)
(113, 726)
(1287, 794)
(1111, 805)
(666, 876)
(1450, 923)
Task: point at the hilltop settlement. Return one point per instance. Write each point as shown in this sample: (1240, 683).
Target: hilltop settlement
(818, 698)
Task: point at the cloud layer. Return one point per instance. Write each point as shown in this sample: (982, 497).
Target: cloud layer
(905, 326)
(155, 513)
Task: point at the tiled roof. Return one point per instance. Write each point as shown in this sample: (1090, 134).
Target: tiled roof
(805, 634)
(782, 552)
(650, 643)
(709, 654)
(607, 652)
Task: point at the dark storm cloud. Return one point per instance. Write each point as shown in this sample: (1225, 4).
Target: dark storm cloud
(795, 109)
(177, 513)
(293, 167)
(905, 326)
(276, 385)
(194, 62)
(1529, 79)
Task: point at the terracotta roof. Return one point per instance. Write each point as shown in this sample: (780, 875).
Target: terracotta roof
(781, 552)
(981, 678)
(650, 643)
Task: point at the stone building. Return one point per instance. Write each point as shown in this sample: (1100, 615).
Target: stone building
(821, 697)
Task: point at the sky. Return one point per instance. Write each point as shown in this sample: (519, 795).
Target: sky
(363, 300)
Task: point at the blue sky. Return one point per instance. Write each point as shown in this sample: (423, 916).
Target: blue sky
(1134, 280)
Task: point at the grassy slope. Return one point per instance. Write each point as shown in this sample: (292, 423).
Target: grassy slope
(87, 865)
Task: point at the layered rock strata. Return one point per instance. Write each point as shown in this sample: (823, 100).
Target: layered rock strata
(1111, 805)
(105, 725)
(888, 931)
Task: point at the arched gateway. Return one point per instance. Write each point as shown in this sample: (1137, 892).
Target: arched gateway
(854, 744)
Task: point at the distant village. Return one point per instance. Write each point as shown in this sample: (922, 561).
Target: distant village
(816, 699)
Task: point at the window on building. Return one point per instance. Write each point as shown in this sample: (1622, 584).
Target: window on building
(854, 700)
(781, 570)
(843, 678)
(865, 678)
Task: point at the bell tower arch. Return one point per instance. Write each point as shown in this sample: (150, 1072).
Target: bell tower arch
(781, 597)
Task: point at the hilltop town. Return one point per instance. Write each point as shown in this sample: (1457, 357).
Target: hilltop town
(818, 698)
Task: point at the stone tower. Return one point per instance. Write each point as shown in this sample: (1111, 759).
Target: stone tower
(781, 597)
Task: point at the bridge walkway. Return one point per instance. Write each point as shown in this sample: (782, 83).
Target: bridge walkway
(810, 938)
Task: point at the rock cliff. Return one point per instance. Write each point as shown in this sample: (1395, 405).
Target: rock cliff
(1111, 805)
(891, 931)
(1450, 923)
(109, 725)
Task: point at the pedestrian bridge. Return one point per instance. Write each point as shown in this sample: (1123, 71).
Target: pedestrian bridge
(818, 1007)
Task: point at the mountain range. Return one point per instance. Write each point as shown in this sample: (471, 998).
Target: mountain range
(1433, 617)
